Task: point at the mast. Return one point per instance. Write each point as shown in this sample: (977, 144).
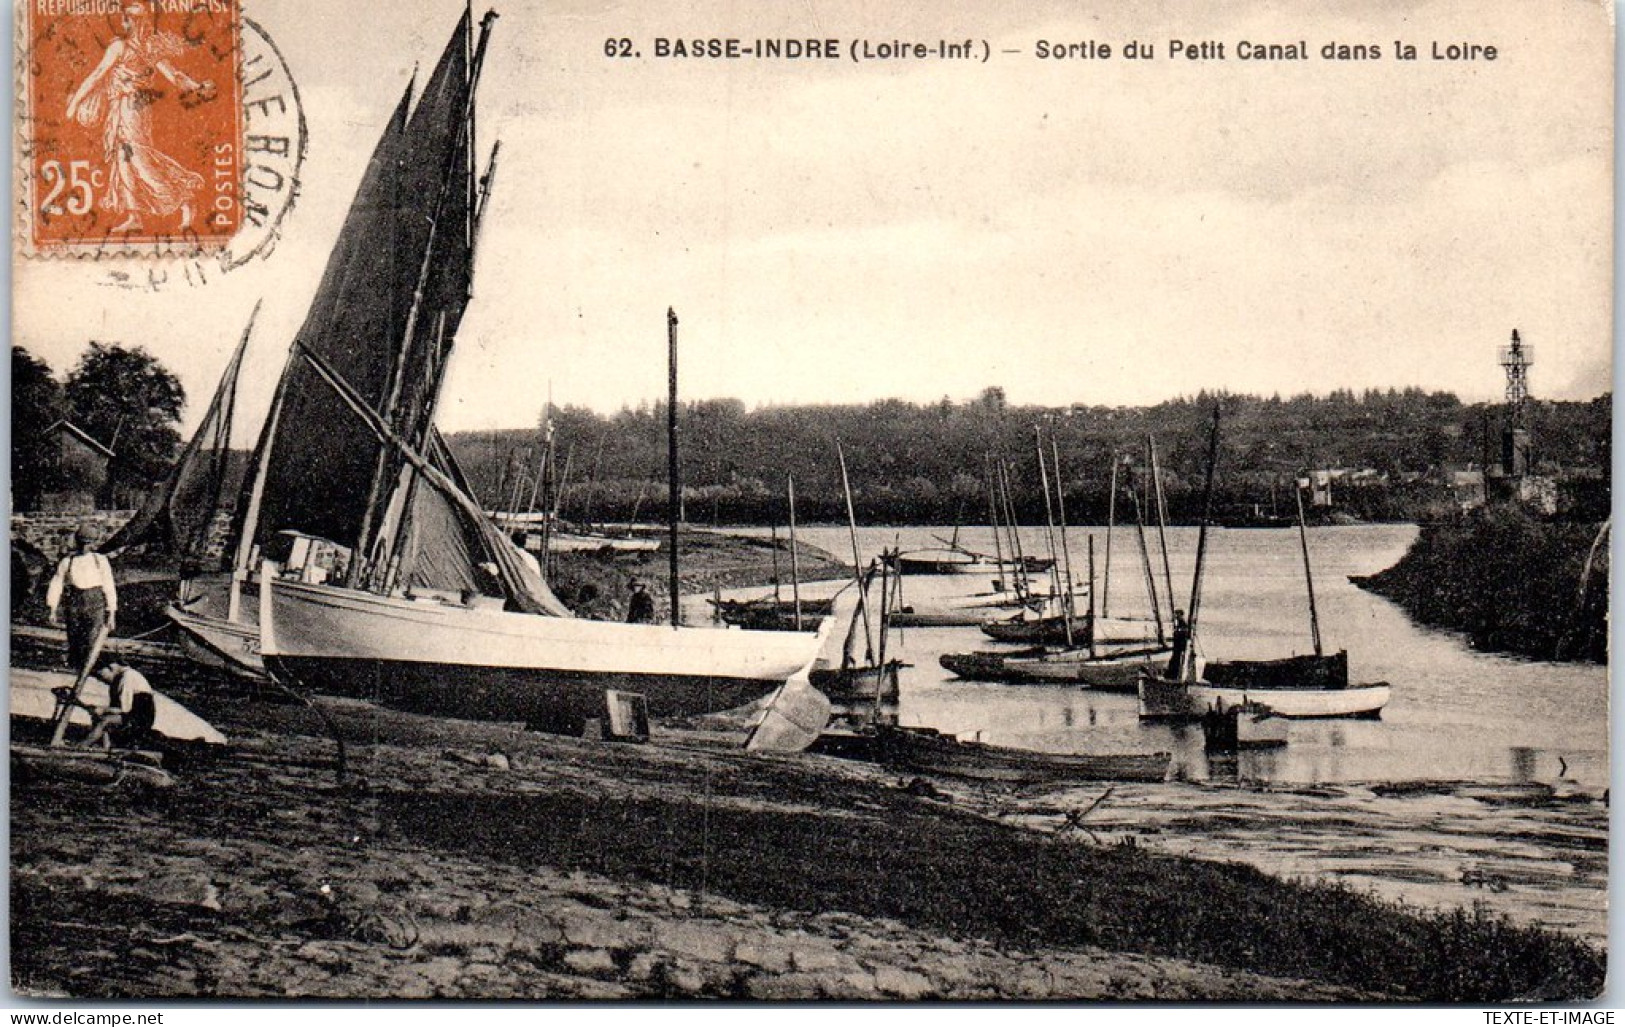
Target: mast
(1094, 647)
(674, 487)
(795, 557)
(256, 493)
(1162, 522)
(993, 515)
(1308, 575)
(885, 614)
(1023, 585)
(857, 561)
(369, 543)
(1049, 531)
(1145, 560)
(1066, 551)
(1111, 519)
(1187, 671)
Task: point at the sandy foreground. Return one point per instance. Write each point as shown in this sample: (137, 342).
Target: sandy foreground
(477, 860)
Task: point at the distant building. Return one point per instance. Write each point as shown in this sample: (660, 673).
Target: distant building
(1466, 488)
(76, 481)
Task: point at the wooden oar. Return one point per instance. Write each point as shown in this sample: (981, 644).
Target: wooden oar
(60, 730)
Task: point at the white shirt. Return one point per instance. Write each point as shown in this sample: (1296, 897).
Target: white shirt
(122, 691)
(82, 571)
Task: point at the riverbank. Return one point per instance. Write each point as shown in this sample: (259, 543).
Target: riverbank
(1509, 582)
(597, 583)
(462, 859)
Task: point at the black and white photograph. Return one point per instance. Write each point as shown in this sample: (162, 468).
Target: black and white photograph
(829, 502)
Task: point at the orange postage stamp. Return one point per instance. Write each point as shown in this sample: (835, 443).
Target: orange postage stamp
(132, 138)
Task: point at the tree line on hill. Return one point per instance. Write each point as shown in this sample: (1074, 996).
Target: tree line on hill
(907, 462)
(931, 463)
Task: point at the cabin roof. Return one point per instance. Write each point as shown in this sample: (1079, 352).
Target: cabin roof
(79, 433)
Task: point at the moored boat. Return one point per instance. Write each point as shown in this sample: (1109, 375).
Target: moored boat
(1110, 670)
(769, 614)
(927, 751)
(1164, 699)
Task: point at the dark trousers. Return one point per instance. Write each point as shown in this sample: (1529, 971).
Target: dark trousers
(85, 612)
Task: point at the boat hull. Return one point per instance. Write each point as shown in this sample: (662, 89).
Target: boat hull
(858, 684)
(1107, 672)
(1160, 699)
(550, 672)
(926, 751)
(220, 643)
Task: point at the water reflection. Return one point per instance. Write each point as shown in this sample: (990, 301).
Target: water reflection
(1455, 714)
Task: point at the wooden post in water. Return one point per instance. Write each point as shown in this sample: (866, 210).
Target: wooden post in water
(1308, 575)
(674, 486)
(795, 557)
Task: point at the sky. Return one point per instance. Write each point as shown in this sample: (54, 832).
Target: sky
(1076, 231)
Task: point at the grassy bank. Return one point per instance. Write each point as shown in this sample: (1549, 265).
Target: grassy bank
(246, 838)
(1509, 582)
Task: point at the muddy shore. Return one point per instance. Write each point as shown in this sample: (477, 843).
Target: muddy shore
(476, 860)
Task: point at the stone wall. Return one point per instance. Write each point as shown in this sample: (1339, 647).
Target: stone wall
(52, 533)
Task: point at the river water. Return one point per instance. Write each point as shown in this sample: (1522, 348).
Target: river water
(1455, 714)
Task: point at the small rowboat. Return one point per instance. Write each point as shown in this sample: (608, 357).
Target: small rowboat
(1118, 670)
(768, 614)
(858, 684)
(926, 751)
(1164, 699)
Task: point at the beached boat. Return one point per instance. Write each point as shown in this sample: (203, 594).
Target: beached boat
(927, 751)
(396, 585)
(33, 696)
(176, 523)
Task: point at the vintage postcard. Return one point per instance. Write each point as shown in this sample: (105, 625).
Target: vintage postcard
(836, 501)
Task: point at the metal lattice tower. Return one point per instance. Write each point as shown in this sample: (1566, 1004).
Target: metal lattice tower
(1515, 360)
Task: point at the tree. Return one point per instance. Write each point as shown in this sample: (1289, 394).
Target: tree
(36, 403)
(131, 402)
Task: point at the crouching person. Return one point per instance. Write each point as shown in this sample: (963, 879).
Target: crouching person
(130, 712)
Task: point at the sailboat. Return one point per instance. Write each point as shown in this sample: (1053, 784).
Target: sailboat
(380, 576)
(1296, 687)
(179, 520)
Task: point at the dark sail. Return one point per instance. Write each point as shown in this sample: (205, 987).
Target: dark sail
(177, 518)
(320, 468)
(355, 458)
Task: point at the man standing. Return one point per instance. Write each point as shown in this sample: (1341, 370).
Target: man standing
(83, 583)
(640, 608)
